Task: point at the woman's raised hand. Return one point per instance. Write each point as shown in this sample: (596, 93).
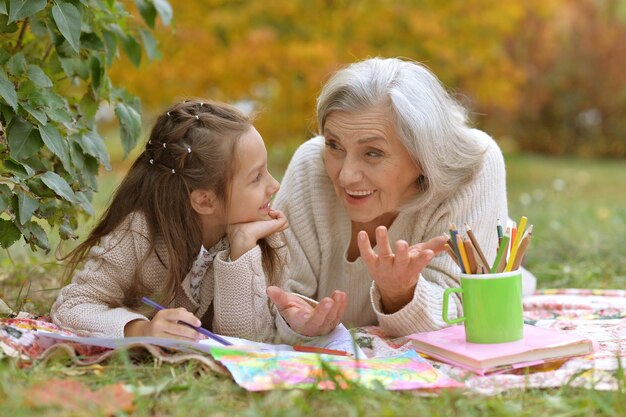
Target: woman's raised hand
(244, 236)
(166, 323)
(396, 274)
(306, 319)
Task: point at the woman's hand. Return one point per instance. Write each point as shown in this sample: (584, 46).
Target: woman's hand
(166, 323)
(244, 236)
(306, 319)
(396, 274)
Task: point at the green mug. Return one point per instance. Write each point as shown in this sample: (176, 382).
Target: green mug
(492, 304)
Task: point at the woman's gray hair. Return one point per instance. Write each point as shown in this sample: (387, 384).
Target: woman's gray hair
(431, 124)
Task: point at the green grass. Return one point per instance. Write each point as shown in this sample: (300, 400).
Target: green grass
(578, 208)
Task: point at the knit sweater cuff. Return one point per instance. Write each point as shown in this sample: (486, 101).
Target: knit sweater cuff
(113, 325)
(422, 314)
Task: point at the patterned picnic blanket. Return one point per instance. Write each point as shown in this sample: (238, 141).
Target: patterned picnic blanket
(599, 315)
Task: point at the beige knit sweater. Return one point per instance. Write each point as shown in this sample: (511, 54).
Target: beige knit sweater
(234, 290)
(319, 235)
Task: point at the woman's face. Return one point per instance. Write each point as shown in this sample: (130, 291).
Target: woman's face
(369, 166)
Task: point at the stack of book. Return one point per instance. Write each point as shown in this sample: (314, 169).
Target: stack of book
(538, 346)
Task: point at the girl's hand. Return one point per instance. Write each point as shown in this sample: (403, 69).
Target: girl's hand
(166, 323)
(396, 274)
(306, 319)
(244, 236)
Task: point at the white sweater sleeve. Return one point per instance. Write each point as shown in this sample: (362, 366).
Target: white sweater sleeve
(241, 306)
(84, 306)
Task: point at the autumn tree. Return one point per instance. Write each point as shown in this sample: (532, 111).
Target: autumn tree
(55, 58)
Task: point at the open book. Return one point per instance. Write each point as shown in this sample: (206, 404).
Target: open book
(339, 341)
(538, 346)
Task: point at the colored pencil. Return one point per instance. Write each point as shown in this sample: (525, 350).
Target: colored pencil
(453, 243)
(472, 257)
(501, 255)
(461, 246)
(523, 246)
(450, 252)
(515, 245)
(201, 330)
(479, 251)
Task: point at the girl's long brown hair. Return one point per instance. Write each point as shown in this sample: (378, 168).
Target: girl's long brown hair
(192, 146)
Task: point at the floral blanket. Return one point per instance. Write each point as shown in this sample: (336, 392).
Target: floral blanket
(599, 315)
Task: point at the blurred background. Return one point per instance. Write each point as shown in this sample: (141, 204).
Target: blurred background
(545, 78)
(541, 76)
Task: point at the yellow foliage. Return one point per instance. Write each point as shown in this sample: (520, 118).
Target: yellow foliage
(278, 53)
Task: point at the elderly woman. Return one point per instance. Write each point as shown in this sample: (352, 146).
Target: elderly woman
(394, 165)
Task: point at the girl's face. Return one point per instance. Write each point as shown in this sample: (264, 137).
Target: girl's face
(370, 168)
(252, 186)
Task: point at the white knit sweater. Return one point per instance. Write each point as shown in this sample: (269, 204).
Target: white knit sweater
(93, 303)
(319, 235)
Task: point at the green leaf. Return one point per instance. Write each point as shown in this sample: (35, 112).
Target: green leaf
(6, 27)
(57, 184)
(7, 90)
(39, 115)
(5, 196)
(75, 66)
(7, 113)
(3, 7)
(9, 233)
(16, 64)
(20, 9)
(24, 139)
(19, 169)
(93, 145)
(147, 11)
(39, 26)
(68, 19)
(91, 41)
(37, 76)
(132, 49)
(165, 11)
(66, 232)
(130, 124)
(4, 55)
(149, 44)
(97, 71)
(87, 106)
(35, 235)
(85, 203)
(53, 140)
(110, 46)
(27, 207)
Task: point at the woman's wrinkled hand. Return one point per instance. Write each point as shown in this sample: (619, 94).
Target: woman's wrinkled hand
(306, 319)
(396, 273)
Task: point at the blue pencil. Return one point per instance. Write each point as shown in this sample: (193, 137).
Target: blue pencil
(201, 330)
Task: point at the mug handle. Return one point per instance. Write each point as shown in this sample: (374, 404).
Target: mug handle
(446, 297)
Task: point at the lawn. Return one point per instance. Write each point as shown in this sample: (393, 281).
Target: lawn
(578, 208)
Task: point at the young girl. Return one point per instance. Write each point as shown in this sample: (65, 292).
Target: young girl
(190, 227)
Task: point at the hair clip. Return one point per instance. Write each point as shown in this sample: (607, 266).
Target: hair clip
(197, 117)
(152, 162)
(188, 150)
(168, 114)
(201, 104)
(173, 171)
(149, 142)
(164, 145)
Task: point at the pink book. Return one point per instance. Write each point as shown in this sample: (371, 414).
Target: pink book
(538, 346)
